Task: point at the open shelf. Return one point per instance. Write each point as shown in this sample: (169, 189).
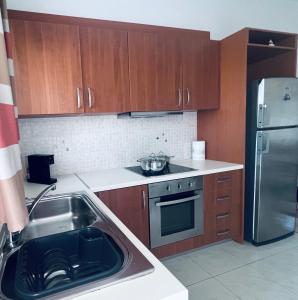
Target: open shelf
(262, 37)
(257, 52)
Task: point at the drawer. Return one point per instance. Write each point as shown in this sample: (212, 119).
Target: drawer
(222, 205)
(223, 226)
(223, 185)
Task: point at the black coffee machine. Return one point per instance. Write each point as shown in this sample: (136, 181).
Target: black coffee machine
(39, 168)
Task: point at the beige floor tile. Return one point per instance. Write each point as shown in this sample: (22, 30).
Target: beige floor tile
(249, 284)
(210, 289)
(187, 271)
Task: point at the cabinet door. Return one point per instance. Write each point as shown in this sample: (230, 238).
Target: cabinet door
(47, 62)
(155, 70)
(105, 70)
(200, 73)
(193, 73)
(211, 65)
(130, 205)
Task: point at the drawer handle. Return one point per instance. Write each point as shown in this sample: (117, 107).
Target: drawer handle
(222, 180)
(219, 199)
(223, 233)
(223, 216)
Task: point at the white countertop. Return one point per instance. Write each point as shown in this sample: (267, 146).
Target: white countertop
(109, 179)
(65, 184)
(160, 284)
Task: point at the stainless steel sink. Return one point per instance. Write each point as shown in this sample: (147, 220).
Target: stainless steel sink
(62, 213)
(59, 214)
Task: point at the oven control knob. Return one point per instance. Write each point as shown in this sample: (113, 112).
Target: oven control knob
(168, 188)
(190, 184)
(179, 186)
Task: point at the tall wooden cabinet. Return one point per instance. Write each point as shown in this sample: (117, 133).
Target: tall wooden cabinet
(244, 56)
(47, 62)
(130, 205)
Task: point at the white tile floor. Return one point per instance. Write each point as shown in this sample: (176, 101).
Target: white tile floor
(233, 271)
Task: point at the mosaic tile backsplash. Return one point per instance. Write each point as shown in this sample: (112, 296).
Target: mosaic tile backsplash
(86, 143)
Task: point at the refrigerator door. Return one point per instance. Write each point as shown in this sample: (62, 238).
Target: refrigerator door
(277, 102)
(275, 184)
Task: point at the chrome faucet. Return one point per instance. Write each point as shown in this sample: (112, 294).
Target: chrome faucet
(14, 237)
(43, 193)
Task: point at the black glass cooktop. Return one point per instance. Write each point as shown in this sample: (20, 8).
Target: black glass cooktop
(169, 169)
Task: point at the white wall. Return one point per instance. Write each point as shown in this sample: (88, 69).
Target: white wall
(220, 17)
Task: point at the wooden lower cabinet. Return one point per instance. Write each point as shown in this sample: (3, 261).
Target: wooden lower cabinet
(130, 205)
(223, 213)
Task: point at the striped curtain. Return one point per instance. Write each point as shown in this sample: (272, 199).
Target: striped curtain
(13, 211)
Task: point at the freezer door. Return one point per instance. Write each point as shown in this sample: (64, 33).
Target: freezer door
(275, 183)
(277, 102)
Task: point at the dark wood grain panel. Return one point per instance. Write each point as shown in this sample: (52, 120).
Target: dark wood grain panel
(200, 73)
(224, 129)
(211, 77)
(155, 71)
(47, 67)
(223, 204)
(282, 65)
(193, 71)
(129, 205)
(237, 208)
(105, 70)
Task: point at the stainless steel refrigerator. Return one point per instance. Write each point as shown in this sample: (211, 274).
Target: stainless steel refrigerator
(271, 159)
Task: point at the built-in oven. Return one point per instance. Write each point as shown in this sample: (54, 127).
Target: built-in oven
(176, 210)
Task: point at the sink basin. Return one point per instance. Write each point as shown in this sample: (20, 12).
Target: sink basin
(64, 214)
(59, 214)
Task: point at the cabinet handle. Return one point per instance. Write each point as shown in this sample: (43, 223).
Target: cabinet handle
(78, 98)
(225, 179)
(89, 98)
(224, 216)
(188, 96)
(219, 199)
(179, 97)
(223, 233)
(144, 199)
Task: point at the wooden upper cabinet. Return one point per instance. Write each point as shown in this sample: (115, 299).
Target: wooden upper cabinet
(193, 72)
(211, 80)
(130, 205)
(105, 69)
(47, 61)
(155, 71)
(200, 73)
(111, 67)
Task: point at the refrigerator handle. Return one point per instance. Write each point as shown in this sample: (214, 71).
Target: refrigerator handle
(263, 144)
(262, 108)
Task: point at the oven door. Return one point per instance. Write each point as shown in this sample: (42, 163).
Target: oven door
(178, 218)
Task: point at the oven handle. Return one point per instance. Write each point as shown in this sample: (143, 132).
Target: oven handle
(167, 203)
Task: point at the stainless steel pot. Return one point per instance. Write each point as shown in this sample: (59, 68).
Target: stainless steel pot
(154, 163)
